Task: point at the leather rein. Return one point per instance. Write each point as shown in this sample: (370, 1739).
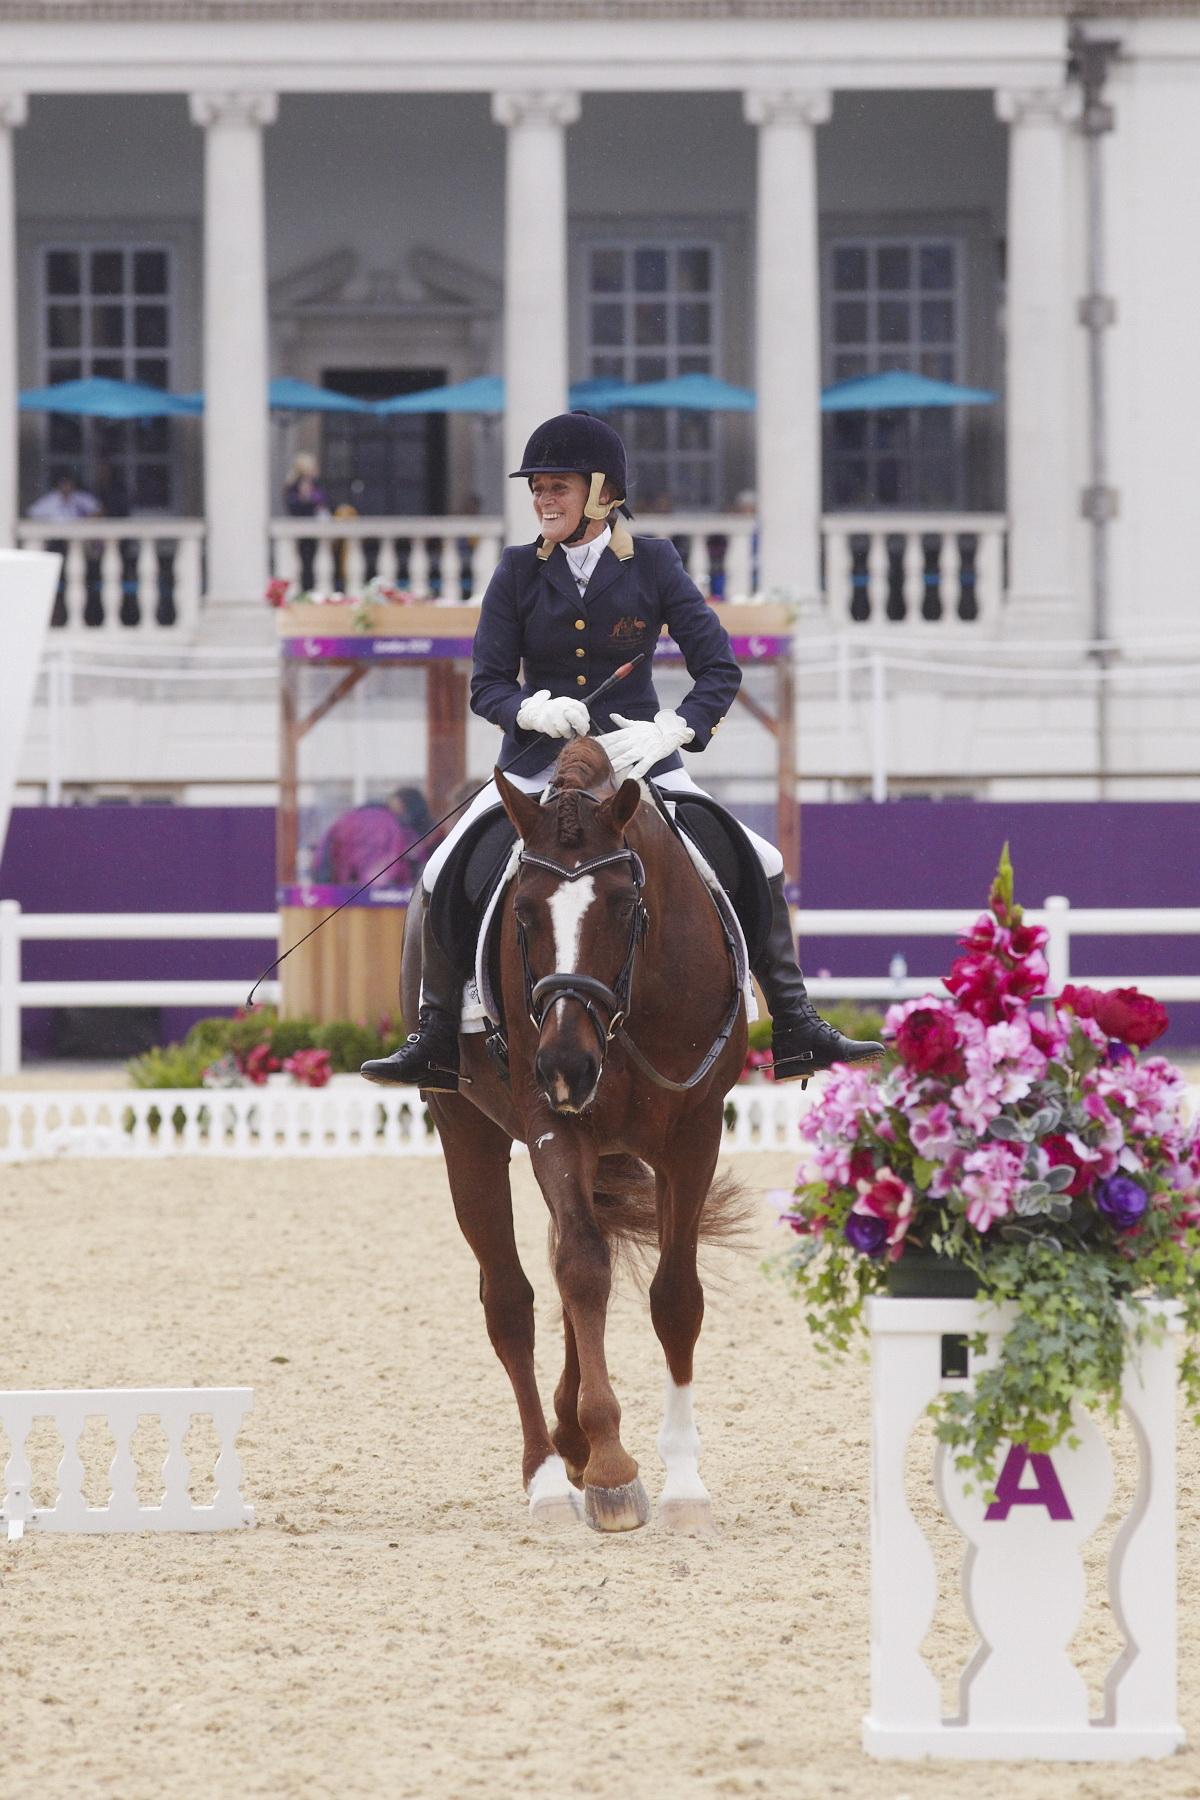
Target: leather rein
(608, 1007)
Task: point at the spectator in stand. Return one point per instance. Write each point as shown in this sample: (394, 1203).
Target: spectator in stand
(305, 498)
(65, 500)
(365, 840)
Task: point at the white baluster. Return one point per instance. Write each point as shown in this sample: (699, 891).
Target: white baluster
(877, 578)
(123, 1507)
(737, 567)
(356, 565)
(324, 574)
(388, 566)
(176, 1471)
(147, 582)
(451, 567)
(69, 1505)
(75, 584)
(111, 593)
(228, 1506)
(950, 575)
(838, 568)
(696, 560)
(187, 583)
(288, 564)
(418, 568)
(914, 576)
(483, 562)
(988, 575)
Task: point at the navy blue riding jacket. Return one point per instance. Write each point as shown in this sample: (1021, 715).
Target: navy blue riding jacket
(536, 631)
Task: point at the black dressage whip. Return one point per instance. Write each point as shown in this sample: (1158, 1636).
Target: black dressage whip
(539, 743)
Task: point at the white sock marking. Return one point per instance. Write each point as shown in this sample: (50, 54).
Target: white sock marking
(679, 1446)
(549, 1484)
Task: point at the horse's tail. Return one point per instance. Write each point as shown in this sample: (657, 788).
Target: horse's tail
(626, 1212)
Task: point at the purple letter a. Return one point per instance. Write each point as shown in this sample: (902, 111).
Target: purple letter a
(1046, 1492)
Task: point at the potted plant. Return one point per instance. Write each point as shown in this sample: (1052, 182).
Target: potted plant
(1015, 1146)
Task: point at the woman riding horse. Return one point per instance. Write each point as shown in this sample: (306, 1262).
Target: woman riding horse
(568, 610)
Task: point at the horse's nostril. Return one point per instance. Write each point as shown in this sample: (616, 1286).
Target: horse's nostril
(566, 1077)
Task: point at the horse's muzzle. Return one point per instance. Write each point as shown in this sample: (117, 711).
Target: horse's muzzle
(567, 1075)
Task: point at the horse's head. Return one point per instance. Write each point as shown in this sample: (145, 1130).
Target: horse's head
(579, 915)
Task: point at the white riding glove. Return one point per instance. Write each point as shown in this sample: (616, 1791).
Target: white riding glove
(558, 718)
(643, 742)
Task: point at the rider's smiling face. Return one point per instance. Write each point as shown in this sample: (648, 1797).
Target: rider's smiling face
(558, 502)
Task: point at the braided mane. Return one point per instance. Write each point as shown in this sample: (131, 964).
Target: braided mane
(582, 768)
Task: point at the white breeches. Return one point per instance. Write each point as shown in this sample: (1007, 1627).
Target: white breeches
(675, 781)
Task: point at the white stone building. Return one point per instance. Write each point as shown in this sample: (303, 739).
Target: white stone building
(380, 195)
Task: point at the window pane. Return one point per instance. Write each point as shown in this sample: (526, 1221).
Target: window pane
(937, 430)
(608, 271)
(112, 436)
(938, 363)
(936, 262)
(893, 321)
(652, 486)
(149, 271)
(152, 437)
(650, 271)
(889, 431)
(937, 321)
(153, 486)
(694, 363)
(608, 324)
(693, 485)
(849, 267)
(609, 365)
(152, 370)
(848, 367)
(693, 322)
(893, 266)
(936, 484)
(693, 271)
(650, 428)
(649, 368)
(650, 322)
(849, 483)
(887, 481)
(108, 327)
(849, 430)
(850, 321)
(108, 271)
(62, 272)
(695, 431)
(112, 368)
(63, 368)
(150, 327)
(64, 436)
(64, 326)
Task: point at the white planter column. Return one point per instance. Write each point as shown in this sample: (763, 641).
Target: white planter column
(787, 323)
(236, 428)
(1045, 591)
(12, 114)
(535, 277)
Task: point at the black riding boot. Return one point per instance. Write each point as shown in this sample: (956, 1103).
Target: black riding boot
(429, 1056)
(802, 1042)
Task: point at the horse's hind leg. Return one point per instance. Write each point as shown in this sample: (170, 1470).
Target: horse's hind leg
(677, 1309)
(477, 1153)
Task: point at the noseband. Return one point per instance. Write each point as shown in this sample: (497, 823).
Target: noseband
(608, 1007)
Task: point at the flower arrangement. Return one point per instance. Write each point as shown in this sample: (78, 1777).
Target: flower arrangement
(1020, 1138)
(281, 592)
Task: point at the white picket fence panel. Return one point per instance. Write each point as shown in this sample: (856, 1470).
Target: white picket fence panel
(121, 1409)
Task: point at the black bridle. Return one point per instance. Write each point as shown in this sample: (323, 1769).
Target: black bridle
(608, 1007)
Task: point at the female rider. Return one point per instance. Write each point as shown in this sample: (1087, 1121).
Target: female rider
(566, 611)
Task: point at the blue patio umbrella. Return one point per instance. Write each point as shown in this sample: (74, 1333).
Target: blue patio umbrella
(99, 397)
(286, 394)
(594, 391)
(482, 394)
(896, 389)
(700, 393)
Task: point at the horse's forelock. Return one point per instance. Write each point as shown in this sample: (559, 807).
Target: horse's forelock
(583, 764)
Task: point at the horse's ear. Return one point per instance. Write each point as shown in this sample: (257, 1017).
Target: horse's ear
(522, 809)
(618, 811)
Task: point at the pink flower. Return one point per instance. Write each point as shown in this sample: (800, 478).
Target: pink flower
(932, 1132)
(277, 591)
(990, 1180)
(259, 1063)
(310, 1067)
(891, 1200)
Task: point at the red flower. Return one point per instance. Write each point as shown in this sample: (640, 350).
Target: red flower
(310, 1067)
(1062, 1152)
(985, 936)
(259, 1064)
(1124, 1013)
(928, 1043)
(1026, 939)
(277, 590)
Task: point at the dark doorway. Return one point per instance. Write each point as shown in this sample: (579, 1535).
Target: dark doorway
(394, 466)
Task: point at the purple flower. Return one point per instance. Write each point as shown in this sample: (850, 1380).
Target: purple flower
(866, 1233)
(1122, 1201)
(1119, 1052)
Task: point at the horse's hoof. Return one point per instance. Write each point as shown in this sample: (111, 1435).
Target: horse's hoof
(617, 1509)
(688, 1518)
(556, 1512)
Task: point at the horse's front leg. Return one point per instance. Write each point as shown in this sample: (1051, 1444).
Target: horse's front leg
(565, 1162)
(677, 1309)
(477, 1154)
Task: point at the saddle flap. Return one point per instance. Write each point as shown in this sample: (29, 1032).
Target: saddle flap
(731, 856)
(467, 882)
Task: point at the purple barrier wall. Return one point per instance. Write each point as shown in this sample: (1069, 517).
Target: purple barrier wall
(909, 853)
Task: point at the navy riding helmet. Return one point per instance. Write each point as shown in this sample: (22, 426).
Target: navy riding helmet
(577, 443)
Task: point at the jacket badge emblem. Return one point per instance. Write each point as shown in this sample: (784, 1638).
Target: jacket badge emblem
(628, 628)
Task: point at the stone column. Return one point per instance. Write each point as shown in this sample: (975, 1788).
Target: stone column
(788, 331)
(1045, 592)
(535, 277)
(236, 426)
(12, 114)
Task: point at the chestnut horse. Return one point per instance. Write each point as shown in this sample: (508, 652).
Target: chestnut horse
(625, 1030)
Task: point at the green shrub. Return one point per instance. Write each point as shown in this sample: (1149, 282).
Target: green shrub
(251, 1028)
(290, 1035)
(210, 1036)
(171, 1066)
(348, 1044)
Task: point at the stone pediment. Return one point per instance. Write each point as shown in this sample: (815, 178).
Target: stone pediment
(429, 280)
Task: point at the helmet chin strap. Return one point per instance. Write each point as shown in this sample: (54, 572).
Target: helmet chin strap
(593, 507)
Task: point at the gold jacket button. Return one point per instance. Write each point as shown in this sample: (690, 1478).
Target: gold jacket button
(579, 624)
(581, 651)
(581, 681)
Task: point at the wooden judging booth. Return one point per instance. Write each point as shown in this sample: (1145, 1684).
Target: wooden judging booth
(350, 970)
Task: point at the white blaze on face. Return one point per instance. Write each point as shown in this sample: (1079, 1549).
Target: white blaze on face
(679, 1446)
(568, 905)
